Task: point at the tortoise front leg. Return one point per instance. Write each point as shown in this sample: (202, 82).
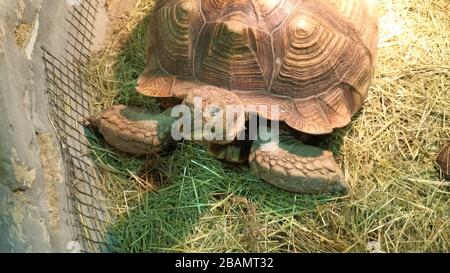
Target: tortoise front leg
(134, 130)
(293, 166)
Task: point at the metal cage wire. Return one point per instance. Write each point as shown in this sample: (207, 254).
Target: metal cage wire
(69, 101)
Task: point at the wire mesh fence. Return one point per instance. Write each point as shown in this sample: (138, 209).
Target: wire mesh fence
(69, 100)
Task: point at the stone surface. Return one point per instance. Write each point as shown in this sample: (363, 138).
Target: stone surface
(33, 202)
(33, 195)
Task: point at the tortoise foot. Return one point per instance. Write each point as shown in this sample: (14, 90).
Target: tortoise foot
(134, 130)
(298, 168)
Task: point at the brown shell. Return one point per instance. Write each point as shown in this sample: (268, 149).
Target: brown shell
(313, 58)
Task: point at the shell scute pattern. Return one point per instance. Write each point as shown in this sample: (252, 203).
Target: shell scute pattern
(315, 59)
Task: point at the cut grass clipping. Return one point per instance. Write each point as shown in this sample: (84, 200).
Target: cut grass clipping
(188, 201)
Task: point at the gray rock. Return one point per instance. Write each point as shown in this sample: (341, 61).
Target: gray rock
(33, 202)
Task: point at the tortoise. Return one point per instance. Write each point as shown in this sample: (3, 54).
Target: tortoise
(313, 60)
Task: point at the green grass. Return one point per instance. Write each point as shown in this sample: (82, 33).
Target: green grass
(200, 192)
(201, 189)
(188, 201)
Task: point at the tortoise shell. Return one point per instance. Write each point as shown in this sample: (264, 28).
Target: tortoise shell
(314, 59)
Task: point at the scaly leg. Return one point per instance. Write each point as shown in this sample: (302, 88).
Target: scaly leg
(134, 130)
(296, 167)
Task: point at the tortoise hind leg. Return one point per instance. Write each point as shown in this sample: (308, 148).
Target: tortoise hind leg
(134, 130)
(296, 167)
(235, 152)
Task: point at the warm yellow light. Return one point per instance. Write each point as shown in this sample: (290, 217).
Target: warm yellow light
(372, 3)
(391, 26)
